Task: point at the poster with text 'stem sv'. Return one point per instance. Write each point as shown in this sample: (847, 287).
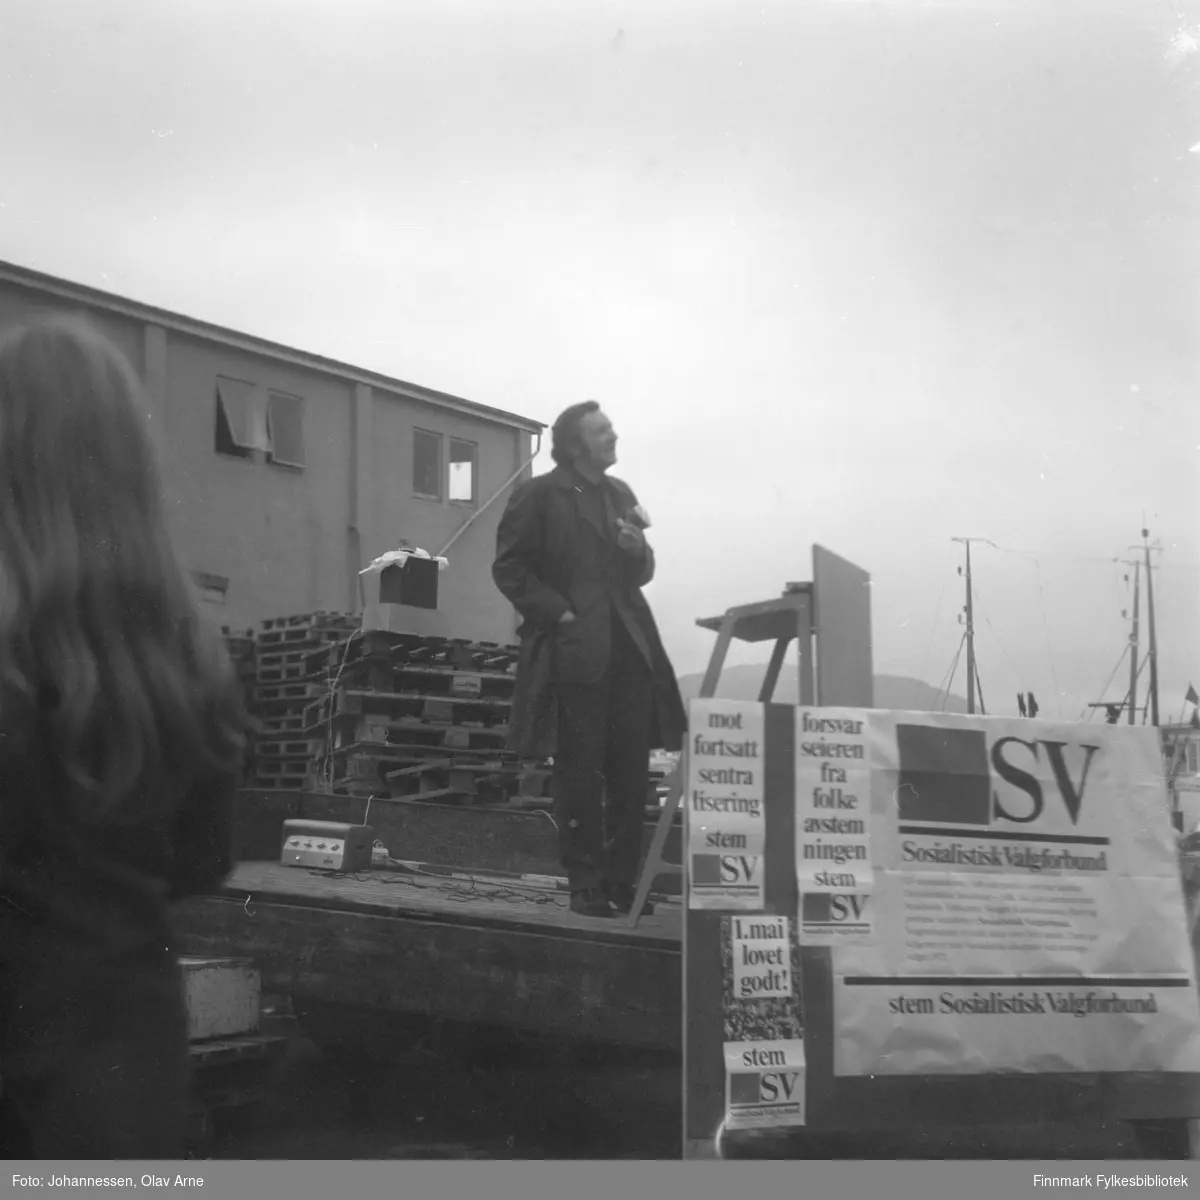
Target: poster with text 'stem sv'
(1027, 909)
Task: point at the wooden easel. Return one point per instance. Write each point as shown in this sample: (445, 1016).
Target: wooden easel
(791, 616)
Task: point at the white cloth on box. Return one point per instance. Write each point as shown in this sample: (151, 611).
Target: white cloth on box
(399, 558)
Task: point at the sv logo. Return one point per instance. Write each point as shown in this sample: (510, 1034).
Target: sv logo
(1071, 793)
(848, 906)
(739, 869)
(776, 1086)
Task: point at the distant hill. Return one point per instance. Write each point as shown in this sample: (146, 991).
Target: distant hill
(891, 691)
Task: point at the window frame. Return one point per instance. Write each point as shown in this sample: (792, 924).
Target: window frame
(419, 432)
(473, 500)
(256, 419)
(255, 404)
(297, 404)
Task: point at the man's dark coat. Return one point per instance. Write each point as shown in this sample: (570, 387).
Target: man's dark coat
(552, 554)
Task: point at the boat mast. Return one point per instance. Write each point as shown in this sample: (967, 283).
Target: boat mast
(1153, 651)
(1133, 643)
(970, 636)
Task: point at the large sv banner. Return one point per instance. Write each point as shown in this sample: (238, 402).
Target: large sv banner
(996, 894)
(1023, 905)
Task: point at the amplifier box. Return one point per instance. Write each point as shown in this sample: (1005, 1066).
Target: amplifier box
(329, 845)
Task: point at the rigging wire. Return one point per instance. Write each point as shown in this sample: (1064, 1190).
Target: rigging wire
(1049, 649)
(1036, 560)
(1091, 712)
(937, 612)
(942, 682)
(1125, 700)
(1089, 558)
(992, 629)
(953, 669)
(1118, 580)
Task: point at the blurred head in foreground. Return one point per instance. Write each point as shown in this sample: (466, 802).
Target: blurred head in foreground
(105, 664)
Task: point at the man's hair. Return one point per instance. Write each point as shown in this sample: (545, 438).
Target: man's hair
(103, 652)
(565, 442)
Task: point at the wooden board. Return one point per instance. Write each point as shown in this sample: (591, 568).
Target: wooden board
(842, 618)
(442, 948)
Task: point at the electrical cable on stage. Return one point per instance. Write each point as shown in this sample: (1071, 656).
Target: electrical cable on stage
(717, 1138)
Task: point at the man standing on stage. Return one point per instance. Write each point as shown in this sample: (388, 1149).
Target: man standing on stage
(595, 690)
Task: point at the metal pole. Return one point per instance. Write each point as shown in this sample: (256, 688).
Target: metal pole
(1133, 645)
(970, 639)
(1150, 631)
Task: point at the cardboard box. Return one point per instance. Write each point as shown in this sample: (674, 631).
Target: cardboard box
(415, 584)
(381, 613)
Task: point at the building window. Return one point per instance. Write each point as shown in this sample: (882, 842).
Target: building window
(1193, 757)
(464, 458)
(256, 424)
(427, 464)
(241, 419)
(285, 429)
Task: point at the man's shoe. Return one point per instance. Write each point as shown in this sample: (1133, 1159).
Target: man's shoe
(590, 903)
(621, 897)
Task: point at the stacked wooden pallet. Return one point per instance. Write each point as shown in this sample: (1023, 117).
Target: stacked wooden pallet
(285, 685)
(409, 717)
(372, 713)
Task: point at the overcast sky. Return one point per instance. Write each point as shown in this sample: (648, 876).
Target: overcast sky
(873, 275)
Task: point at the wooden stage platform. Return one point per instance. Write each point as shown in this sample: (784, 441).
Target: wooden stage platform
(482, 950)
(488, 837)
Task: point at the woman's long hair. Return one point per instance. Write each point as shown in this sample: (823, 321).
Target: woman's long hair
(105, 662)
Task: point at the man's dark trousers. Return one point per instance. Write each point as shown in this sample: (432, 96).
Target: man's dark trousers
(604, 749)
